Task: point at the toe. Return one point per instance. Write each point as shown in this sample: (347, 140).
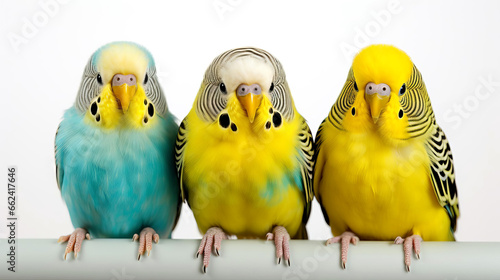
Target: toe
(63, 238)
(286, 248)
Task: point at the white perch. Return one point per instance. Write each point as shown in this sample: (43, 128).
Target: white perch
(249, 259)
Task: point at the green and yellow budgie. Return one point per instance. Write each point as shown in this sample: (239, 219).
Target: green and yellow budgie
(245, 155)
(384, 168)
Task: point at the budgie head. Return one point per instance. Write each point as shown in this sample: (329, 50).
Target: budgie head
(245, 86)
(120, 87)
(384, 91)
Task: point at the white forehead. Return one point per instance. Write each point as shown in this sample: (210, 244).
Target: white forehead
(247, 70)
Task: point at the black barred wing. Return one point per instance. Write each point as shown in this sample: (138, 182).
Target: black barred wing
(306, 165)
(443, 173)
(318, 167)
(59, 171)
(180, 144)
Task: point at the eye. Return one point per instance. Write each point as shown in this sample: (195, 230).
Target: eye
(146, 79)
(99, 79)
(272, 87)
(402, 90)
(222, 87)
(356, 86)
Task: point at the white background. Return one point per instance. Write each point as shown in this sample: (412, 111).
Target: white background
(43, 53)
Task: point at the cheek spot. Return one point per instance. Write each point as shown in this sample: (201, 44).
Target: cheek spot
(277, 119)
(98, 118)
(93, 109)
(151, 110)
(268, 125)
(353, 111)
(400, 114)
(233, 127)
(224, 120)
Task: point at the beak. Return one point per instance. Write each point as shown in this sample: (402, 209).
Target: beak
(251, 103)
(376, 102)
(124, 94)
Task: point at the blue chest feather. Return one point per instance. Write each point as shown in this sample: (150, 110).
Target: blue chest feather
(116, 182)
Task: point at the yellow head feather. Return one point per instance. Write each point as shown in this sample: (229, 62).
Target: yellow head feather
(382, 64)
(122, 58)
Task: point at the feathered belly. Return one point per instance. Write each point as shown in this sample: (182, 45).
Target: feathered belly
(379, 192)
(119, 198)
(245, 198)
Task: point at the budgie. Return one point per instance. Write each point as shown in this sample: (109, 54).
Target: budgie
(245, 155)
(383, 167)
(115, 152)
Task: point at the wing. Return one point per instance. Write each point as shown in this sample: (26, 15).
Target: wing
(443, 173)
(306, 159)
(59, 171)
(318, 168)
(180, 144)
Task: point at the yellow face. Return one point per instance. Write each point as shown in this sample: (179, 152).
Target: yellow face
(380, 72)
(122, 100)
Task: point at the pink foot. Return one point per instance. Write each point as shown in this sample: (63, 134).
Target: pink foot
(409, 242)
(75, 241)
(344, 239)
(214, 235)
(281, 241)
(146, 238)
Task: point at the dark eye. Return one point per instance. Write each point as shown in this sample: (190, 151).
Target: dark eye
(402, 90)
(146, 79)
(356, 86)
(222, 87)
(99, 79)
(272, 87)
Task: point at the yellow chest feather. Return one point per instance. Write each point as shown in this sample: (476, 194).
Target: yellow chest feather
(377, 189)
(239, 179)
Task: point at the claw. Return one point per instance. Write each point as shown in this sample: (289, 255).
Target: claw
(146, 238)
(409, 243)
(281, 241)
(74, 241)
(344, 239)
(213, 237)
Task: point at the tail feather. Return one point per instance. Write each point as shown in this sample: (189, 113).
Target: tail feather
(301, 233)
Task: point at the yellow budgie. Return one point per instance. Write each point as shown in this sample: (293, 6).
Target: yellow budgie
(245, 155)
(384, 168)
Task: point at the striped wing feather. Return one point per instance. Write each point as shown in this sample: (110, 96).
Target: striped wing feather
(442, 173)
(180, 144)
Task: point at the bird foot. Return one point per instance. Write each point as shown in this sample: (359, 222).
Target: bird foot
(281, 241)
(344, 239)
(74, 241)
(409, 243)
(146, 238)
(213, 236)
